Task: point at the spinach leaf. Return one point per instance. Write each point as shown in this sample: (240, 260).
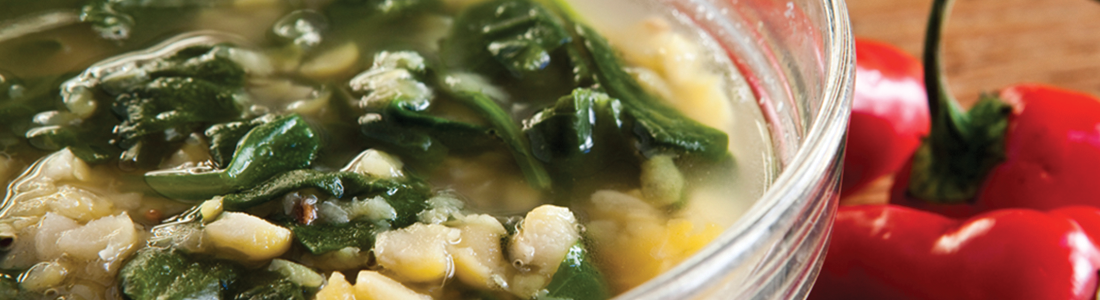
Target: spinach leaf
(504, 128)
(178, 104)
(518, 36)
(563, 137)
(520, 45)
(573, 125)
(584, 137)
(407, 197)
(144, 107)
(398, 103)
(224, 138)
(286, 143)
(393, 89)
(657, 126)
(577, 278)
(454, 135)
(322, 237)
(166, 273)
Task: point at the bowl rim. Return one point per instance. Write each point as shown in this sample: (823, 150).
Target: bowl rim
(822, 143)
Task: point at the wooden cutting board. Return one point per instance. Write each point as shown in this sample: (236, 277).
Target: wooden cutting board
(990, 44)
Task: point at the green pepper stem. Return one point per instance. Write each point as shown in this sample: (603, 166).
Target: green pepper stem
(962, 147)
(947, 116)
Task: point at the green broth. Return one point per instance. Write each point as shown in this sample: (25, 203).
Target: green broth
(445, 149)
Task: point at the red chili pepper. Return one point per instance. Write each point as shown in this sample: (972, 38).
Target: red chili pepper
(895, 252)
(1032, 146)
(889, 114)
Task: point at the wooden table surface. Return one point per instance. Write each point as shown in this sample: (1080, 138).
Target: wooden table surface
(990, 44)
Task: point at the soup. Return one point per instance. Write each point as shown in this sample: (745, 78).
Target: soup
(267, 149)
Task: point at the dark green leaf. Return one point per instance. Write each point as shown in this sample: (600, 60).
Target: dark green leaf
(577, 278)
(416, 148)
(144, 112)
(398, 117)
(407, 197)
(167, 274)
(320, 238)
(224, 138)
(585, 144)
(403, 121)
(517, 36)
(180, 104)
(286, 143)
(657, 126)
(577, 125)
(508, 131)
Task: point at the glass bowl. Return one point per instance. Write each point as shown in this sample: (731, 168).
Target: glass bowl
(798, 58)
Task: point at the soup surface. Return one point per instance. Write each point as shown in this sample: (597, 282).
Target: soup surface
(363, 149)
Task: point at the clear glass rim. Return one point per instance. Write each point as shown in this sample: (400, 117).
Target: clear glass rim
(813, 159)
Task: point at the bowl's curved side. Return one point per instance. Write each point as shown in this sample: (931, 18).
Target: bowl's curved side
(796, 53)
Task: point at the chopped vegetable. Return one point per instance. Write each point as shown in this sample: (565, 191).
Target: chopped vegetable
(286, 143)
(376, 163)
(505, 35)
(371, 285)
(580, 138)
(323, 238)
(577, 278)
(296, 273)
(224, 138)
(478, 255)
(158, 102)
(253, 238)
(168, 273)
(540, 244)
(417, 253)
(337, 288)
(503, 127)
(401, 102)
(407, 197)
(332, 63)
(657, 127)
(43, 276)
(662, 182)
